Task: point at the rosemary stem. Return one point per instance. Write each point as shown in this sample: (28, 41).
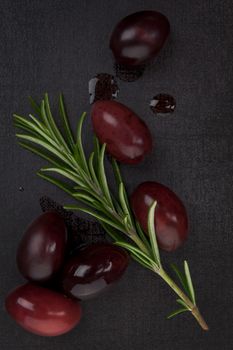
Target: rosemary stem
(193, 308)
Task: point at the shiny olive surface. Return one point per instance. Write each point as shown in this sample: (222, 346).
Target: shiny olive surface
(139, 37)
(93, 270)
(127, 137)
(171, 220)
(42, 311)
(41, 250)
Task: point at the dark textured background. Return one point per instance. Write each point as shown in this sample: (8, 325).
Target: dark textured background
(59, 45)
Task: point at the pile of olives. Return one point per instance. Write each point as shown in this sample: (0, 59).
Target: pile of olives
(43, 257)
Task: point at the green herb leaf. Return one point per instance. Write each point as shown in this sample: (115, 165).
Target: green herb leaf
(84, 196)
(176, 312)
(63, 186)
(96, 215)
(181, 278)
(102, 176)
(79, 144)
(34, 106)
(38, 123)
(66, 125)
(114, 234)
(143, 236)
(45, 145)
(141, 262)
(34, 129)
(66, 173)
(189, 281)
(97, 153)
(124, 203)
(182, 303)
(52, 125)
(117, 172)
(152, 234)
(137, 252)
(41, 153)
(91, 168)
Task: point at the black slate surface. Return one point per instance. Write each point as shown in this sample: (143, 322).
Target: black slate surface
(59, 45)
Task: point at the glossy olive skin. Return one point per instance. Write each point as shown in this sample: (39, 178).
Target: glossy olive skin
(93, 270)
(42, 311)
(127, 137)
(171, 221)
(42, 248)
(139, 37)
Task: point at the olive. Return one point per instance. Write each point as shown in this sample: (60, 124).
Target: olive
(139, 37)
(93, 270)
(42, 311)
(42, 248)
(171, 221)
(127, 137)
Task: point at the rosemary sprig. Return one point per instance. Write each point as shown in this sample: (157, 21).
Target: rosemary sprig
(87, 183)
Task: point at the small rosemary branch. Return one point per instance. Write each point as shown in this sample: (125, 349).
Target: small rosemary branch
(87, 183)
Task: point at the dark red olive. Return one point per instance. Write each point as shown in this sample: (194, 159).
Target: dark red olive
(42, 311)
(171, 220)
(93, 270)
(41, 250)
(127, 137)
(139, 37)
